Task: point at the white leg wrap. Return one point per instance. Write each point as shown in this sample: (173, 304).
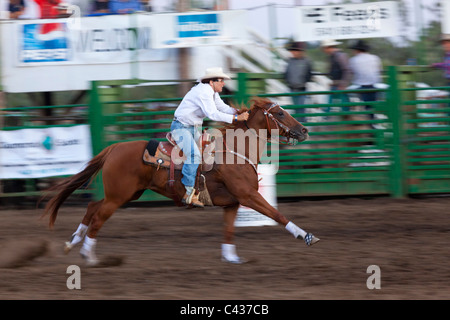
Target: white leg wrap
(79, 235)
(229, 254)
(89, 244)
(296, 231)
(88, 251)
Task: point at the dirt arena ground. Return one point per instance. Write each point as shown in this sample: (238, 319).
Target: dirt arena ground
(174, 253)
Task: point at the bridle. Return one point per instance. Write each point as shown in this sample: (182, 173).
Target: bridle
(268, 117)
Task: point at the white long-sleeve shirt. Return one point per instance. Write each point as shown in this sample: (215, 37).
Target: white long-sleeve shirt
(200, 102)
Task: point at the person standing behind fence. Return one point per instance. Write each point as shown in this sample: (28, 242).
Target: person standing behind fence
(339, 70)
(445, 65)
(298, 73)
(366, 71)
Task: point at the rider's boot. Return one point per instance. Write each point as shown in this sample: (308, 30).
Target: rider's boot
(190, 198)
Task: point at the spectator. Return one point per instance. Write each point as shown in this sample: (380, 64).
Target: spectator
(298, 73)
(445, 42)
(445, 65)
(16, 8)
(339, 71)
(146, 5)
(48, 9)
(124, 6)
(366, 71)
(101, 6)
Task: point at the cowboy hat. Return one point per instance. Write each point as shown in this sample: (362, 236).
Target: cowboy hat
(296, 46)
(445, 37)
(212, 73)
(329, 43)
(360, 45)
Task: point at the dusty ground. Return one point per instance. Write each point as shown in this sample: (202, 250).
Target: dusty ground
(174, 253)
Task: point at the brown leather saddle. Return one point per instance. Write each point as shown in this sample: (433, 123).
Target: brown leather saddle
(159, 154)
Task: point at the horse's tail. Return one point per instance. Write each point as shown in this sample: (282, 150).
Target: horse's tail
(68, 186)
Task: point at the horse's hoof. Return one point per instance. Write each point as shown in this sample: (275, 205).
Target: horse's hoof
(310, 239)
(237, 260)
(89, 262)
(89, 258)
(67, 247)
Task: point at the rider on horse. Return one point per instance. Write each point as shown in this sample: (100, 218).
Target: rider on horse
(201, 101)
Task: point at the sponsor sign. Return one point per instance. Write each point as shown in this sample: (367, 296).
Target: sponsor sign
(198, 25)
(36, 153)
(347, 21)
(180, 30)
(95, 40)
(44, 42)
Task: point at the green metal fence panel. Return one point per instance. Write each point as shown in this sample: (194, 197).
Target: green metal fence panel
(426, 137)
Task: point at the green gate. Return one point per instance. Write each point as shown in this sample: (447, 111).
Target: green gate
(425, 136)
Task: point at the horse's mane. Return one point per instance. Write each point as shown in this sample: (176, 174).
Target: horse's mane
(255, 102)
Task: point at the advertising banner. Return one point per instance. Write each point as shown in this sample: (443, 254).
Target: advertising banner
(67, 54)
(180, 30)
(44, 42)
(37, 153)
(95, 40)
(347, 21)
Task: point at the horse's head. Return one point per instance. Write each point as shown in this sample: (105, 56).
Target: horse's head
(272, 117)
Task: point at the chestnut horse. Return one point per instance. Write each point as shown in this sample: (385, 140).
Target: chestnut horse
(126, 177)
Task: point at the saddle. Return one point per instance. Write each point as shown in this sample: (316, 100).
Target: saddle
(159, 154)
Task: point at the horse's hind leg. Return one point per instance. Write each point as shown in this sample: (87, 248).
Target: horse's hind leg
(101, 215)
(82, 229)
(228, 248)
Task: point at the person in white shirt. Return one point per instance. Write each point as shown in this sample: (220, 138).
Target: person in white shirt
(366, 70)
(201, 101)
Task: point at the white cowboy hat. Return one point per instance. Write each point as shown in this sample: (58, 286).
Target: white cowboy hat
(212, 73)
(329, 43)
(445, 37)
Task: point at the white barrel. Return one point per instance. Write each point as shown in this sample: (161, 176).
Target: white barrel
(247, 217)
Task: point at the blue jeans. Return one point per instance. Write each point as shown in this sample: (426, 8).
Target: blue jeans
(186, 137)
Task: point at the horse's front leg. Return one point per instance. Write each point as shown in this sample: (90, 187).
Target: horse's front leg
(257, 202)
(228, 247)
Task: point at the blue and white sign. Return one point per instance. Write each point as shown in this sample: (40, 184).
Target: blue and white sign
(198, 25)
(44, 42)
(215, 28)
